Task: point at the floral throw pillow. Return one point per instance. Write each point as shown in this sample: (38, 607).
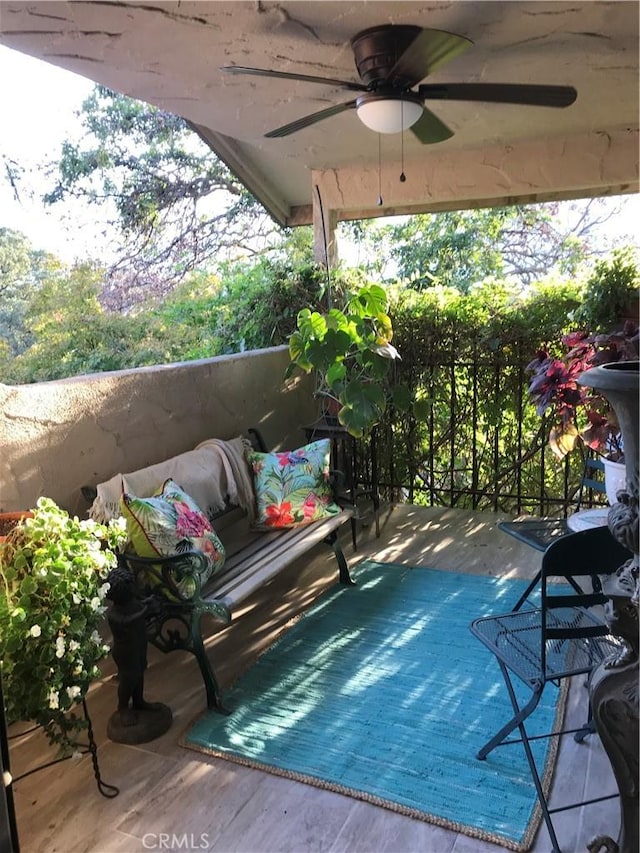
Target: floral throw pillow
(292, 487)
(168, 523)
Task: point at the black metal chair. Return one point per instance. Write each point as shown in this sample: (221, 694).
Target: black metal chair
(539, 533)
(557, 640)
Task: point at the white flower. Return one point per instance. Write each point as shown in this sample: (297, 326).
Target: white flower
(54, 700)
(76, 598)
(118, 524)
(60, 647)
(35, 631)
(73, 645)
(96, 603)
(104, 589)
(73, 692)
(95, 637)
(77, 670)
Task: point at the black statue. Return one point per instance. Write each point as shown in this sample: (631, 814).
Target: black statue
(127, 619)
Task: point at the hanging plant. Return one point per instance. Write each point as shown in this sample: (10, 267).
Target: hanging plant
(53, 571)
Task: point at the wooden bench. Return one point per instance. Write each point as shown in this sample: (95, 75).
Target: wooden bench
(253, 558)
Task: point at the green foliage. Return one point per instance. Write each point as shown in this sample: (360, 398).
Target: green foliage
(610, 291)
(452, 249)
(351, 352)
(472, 438)
(142, 158)
(53, 572)
(22, 271)
(73, 335)
(248, 306)
(186, 325)
(262, 300)
(460, 248)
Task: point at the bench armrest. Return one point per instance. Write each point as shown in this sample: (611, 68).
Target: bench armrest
(178, 577)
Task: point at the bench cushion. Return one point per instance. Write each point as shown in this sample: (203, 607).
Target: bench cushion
(292, 487)
(171, 522)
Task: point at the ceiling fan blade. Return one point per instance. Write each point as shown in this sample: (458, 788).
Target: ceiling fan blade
(285, 75)
(429, 129)
(427, 52)
(306, 121)
(501, 93)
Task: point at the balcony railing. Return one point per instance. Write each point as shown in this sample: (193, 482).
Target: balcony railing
(482, 445)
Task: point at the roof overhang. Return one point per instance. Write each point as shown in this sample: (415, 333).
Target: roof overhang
(170, 54)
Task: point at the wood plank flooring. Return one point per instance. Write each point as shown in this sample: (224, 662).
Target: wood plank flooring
(172, 799)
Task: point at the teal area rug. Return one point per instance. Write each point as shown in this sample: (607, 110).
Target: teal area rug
(381, 692)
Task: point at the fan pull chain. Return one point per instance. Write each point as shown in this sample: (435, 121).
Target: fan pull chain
(403, 177)
(379, 202)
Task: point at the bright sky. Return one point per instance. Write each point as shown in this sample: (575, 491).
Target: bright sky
(37, 110)
(38, 113)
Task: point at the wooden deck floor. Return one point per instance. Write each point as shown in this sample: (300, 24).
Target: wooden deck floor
(171, 799)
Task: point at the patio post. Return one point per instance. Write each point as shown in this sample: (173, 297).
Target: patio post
(325, 222)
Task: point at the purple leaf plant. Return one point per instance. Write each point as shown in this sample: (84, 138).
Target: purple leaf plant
(579, 413)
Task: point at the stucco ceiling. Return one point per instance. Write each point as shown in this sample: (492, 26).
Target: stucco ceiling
(170, 54)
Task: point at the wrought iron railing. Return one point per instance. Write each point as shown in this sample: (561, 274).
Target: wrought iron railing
(482, 445)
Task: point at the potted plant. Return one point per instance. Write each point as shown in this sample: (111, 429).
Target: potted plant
(351, 352)
(53, 571)
(578, 413)
(8, 521)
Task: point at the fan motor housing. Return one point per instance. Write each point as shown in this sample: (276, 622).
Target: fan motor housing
(377, 49)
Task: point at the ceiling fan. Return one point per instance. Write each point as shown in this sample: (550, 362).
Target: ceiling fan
(391, 60)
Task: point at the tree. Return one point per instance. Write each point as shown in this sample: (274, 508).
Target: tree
(460, 248)
(11, 172)
(22, 271)
(73, 335)
(176, 205)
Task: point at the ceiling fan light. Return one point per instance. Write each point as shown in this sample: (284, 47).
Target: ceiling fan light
(388, 115)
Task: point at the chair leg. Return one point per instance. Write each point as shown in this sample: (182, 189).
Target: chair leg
(538, 784)
(589, 728)
(576, 586)
(521, 715)
(525, 595)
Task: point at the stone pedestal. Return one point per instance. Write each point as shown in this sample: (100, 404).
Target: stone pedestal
(140, 726)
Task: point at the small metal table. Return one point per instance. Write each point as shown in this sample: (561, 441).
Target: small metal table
(586, 519)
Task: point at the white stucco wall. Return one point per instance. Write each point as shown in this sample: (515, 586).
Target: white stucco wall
(58, 436)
